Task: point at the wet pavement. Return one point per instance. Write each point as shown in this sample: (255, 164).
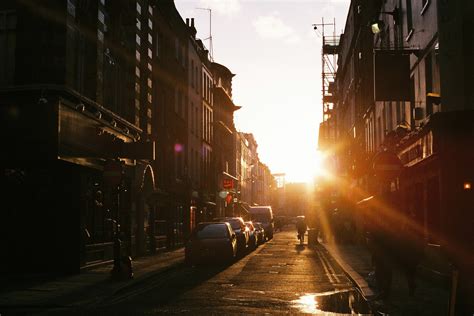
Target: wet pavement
(280, 277)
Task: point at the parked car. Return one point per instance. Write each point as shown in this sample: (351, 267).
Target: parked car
(210, 242)
(264, 215)
(253, 237)
(260, 231)
(241, 231)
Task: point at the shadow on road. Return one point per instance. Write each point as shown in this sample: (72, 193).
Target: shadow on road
(299, 248)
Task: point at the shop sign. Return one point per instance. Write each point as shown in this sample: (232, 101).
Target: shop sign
(228, 183)
(421, 149)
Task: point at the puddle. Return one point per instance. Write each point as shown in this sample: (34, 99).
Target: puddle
(347, 302)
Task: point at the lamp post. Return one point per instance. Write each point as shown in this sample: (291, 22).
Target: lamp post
(113, 173)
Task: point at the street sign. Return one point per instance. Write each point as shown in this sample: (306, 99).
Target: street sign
(228, 183)
(113, 173)
(387, 165)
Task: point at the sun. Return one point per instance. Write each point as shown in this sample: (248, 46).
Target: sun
(306, 167)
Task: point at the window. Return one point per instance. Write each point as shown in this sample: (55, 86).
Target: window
(183, 59)
(409, 20)
(429, 82)
(424, 6)
(192, 73)
(7, 46)
(197, 80)
(101, 17)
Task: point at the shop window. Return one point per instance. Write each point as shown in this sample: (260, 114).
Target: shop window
(433, 210)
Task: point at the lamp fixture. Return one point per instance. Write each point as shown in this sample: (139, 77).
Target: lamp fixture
(377, 25)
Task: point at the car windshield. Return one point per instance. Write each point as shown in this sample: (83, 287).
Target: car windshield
(234, 223)
(212, 231)
(261, 217)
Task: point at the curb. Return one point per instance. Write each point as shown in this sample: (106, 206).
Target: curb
(173, 263)
(355, 277)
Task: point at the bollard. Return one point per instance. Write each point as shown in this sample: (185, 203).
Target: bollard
(312, 237)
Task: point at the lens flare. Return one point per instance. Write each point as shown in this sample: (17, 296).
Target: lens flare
(178, 148)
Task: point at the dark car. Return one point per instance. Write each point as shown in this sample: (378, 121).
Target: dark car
(253, 237)
(264, 215)
(210, 242)
(260, 231)
(241, 231)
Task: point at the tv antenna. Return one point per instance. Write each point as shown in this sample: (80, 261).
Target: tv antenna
(211, 49)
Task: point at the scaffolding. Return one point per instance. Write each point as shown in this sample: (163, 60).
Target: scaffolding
(329, 52)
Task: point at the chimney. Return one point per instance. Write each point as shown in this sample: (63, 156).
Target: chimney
(193, 29)
(187, 22)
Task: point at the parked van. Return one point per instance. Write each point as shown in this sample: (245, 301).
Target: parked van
(264, 215)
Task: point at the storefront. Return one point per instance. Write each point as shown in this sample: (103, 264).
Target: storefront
(59, 211)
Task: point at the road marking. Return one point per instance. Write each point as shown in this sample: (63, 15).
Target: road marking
(330, 272)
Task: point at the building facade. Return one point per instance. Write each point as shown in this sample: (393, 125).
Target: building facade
(81, 135)
(402, 87)
(224, 140)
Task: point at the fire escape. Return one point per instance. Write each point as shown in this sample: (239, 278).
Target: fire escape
(329, 52)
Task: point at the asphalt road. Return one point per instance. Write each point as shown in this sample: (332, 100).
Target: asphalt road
(280, 277)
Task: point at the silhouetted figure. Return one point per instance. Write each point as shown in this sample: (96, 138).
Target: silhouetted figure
(301, 227)
(382, 243)
(411, 250)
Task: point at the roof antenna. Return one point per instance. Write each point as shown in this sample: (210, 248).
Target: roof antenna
(211, 49)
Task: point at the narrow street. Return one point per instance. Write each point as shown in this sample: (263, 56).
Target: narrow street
(279, 277)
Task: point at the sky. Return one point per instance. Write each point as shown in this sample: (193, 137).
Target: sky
(275, 53)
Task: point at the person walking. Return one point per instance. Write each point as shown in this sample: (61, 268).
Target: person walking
(301, 227)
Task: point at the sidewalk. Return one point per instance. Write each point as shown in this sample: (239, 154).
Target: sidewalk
(430, 297)
(88, 287)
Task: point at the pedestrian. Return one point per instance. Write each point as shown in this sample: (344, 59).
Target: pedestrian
(382, 260)
(381, 246)
(410, 251)
(301, 227)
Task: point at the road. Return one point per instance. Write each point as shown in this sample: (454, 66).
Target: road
(279, 277)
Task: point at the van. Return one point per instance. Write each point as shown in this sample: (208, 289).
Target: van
(264, 215)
